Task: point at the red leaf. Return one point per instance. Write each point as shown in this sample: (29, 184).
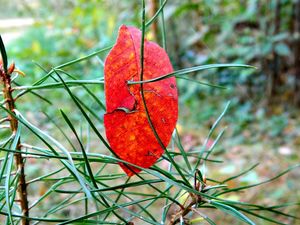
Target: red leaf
(126, 125)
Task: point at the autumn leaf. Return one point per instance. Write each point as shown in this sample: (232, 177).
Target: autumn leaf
(126, 125)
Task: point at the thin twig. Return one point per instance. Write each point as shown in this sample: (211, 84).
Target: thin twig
(192, 200)
(22, 187)
(4, 120)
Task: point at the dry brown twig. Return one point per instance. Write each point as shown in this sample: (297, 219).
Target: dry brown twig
(13, 123)
(191, 201)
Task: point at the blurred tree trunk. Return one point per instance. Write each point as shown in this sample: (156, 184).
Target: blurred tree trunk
(154, 5)
(297, 53)
(274, 79)
(263, 60)
(176, 43)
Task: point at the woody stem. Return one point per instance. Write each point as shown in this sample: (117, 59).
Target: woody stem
(183, 212)
(22, 187)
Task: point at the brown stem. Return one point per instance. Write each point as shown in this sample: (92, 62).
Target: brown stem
(185, 210)
(192, 200)
(22, 187)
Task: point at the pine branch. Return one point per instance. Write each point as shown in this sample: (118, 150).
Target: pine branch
(10, 104)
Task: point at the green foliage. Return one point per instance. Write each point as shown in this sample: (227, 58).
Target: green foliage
(72, 173)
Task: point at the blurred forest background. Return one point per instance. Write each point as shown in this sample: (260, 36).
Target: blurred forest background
(263, 122)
